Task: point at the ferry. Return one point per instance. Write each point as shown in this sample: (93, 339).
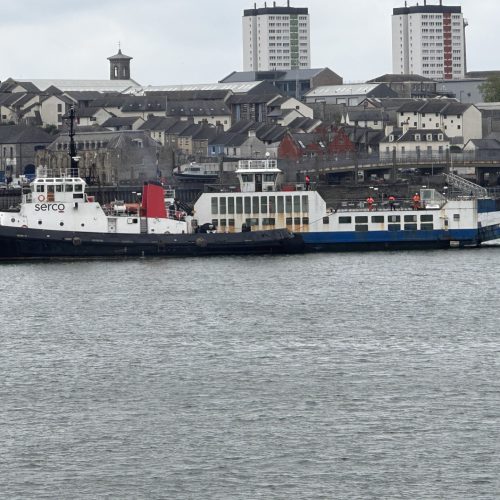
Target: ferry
(263, 202)
(57, 218)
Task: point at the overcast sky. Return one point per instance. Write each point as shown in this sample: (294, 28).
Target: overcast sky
(200, 41)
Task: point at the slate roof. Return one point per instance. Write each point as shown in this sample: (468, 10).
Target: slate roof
(409, 135)
(121, 121)
(114, 139)
(397, 78)
(253, 98)
(120, 56)
(368, 114)
(304, 123)
(162, 123)
(189, 95)
(486, 143)
(197, 108)
(87, 111)
(80, 85)
(17, 134)
(441, 106)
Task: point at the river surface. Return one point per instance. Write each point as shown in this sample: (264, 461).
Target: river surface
(333, 376)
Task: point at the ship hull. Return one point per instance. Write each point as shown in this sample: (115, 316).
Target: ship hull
(26, 243)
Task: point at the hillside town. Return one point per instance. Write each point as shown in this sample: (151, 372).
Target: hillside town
(428, 115)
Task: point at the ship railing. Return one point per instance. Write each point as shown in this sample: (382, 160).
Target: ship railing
(257, 164)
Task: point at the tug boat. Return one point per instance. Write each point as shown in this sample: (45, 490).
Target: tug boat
(437, 221)
(56, 218)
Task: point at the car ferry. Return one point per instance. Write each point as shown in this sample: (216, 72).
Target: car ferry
(262, 202)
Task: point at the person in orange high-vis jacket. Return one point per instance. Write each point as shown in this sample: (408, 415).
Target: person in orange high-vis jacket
(370, 201)
(416, 201)
(392, 201)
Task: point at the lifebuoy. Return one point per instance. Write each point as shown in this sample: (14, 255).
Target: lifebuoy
(41, 197)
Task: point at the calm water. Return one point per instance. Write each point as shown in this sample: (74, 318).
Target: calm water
(334, 376)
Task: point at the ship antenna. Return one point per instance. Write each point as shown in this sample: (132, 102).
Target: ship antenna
(72, 146)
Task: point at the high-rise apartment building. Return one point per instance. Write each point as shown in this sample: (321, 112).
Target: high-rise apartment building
(429, 40)
(276, 38)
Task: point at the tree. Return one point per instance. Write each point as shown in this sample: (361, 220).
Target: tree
(491, 89)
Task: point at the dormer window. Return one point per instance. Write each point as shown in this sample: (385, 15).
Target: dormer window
(440, 137)
(429, 137)
(391, 138)
(417, 137)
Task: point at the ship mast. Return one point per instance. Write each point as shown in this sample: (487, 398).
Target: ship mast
(72, 146)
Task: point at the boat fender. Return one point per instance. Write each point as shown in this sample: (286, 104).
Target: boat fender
(201, 242)
(77, 241)
(24, 225)
(41, 197)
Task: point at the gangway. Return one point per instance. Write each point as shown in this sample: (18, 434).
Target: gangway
(467, 187)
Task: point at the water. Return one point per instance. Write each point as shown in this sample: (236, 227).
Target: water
(334, 376)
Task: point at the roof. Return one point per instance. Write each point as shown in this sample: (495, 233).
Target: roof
(278, 75)
(394, 77)
(197, 108)
(162, 123)
(486, 143)
(409, 135)
(237, 88)
(114, 139)
(256, 98)
(343, 90)
(81, 85)
(368, 114)
(121, 121)
(188, 95)
(120, 56)
(441, 106)
(16, 134)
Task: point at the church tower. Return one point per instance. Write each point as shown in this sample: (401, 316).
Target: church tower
(119, 66)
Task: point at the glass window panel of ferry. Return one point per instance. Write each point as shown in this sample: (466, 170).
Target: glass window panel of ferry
(59, 188)
(230, 222)
(272, 204)
(255, 204)
(78, 188)
(230, 205)
(247, 177)
(223, 223)
(394, 227)
(361, 219)
(305, 203)
(410, 227)
(215, 205)
(361, 227)
(394, 218)
(427, 218)
(296, 203)
(288, 204)
(281, 206)
(239, 205)
(222, 205)
(345, 220)
(269, 177)
(68, 188)
(377, 219)
(427, 226)
(269, 221)
(248, 205)
(263, 204)
(40, 188)
(410, 218)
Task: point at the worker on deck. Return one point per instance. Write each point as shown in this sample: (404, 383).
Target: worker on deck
(416, 201)
(370, 201)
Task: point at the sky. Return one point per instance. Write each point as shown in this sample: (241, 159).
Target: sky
(200, 41)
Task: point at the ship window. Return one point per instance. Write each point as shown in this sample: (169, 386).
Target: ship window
(61, 223)
(305, 203)
(272, 204)
(456, 216)
(281, 207)
(40, 188)
(248, 205)
(59, 188)
(222, 207)
(410, 227)
(345, 220)
(247, 177)
(296, 221)
(255, 204)
(394, 218)
(427, 226)
(269, 177)
(215, 222)
(288, 204)
(230, 222)
(410, 218)
(305, 220)
(223, 223)
(269, 221)
(426, 218)
(215, 207)
(361, 219)
(230, 205)
(263, 204)
(394, 227)
(78, 188)
(363, 228)
(40, 222)
(239, 205)
(68, 188)
(289, 221)
(326, 220)
(296, 203)
(377, 218)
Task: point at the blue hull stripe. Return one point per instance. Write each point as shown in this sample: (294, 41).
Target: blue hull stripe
(328, 237)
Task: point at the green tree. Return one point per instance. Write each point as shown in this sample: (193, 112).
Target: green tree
(491, 89)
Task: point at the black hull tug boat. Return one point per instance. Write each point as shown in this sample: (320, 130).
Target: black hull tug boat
(57, 219)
